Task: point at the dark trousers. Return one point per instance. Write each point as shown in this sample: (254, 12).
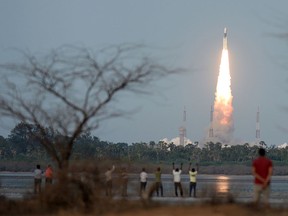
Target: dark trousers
(124, 188)
(142, 187)
(176, 186)
(109, 188)
(37, 185)
(192, 187)
(48, 180)
(158, 186)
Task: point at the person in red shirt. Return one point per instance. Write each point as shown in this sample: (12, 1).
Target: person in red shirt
(262, 171)
(48, 175)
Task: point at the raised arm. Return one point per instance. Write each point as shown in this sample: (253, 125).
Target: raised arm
(181, 166)
(173, 165)
(113, 168)
(189, 167)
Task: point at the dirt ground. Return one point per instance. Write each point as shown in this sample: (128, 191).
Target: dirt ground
(204, 210)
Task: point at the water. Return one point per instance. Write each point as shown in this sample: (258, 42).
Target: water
(238, 186)
(16, 185)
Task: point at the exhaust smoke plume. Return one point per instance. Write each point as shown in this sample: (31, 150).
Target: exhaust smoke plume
(222, 123)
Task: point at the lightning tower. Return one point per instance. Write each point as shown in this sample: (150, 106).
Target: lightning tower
(258, 126)
(182, 130)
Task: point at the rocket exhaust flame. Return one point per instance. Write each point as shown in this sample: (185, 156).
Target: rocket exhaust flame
(222, 116)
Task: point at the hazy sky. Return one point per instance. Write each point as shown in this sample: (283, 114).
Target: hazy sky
(182, 33)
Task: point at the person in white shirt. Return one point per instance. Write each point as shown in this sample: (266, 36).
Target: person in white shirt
(108, 176)
(143, 180)
(37, 179)
(192, 176)
(177, 179)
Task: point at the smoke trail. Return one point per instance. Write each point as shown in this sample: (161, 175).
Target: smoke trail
(223, 125)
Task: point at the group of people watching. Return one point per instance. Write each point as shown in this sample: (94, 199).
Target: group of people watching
(38, 175)
(158, 186)
(261, 170)
(176, 172)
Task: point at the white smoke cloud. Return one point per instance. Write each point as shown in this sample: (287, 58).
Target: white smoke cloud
(282, 146)
(176, 141)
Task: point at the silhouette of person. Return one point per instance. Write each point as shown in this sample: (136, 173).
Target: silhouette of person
(49, 175)
(158, 182)
(177, 179)
(124, 179)
(143, 180)
(262, 169)
(37, 179)
(108, 176)
(192, 185)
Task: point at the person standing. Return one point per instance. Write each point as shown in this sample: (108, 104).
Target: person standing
(37, 179)
(158, 182)
(108, 178)
(143, 181)
(262, 169)
(124, 179)
(192, 176)
(48, 175)
(177, 179)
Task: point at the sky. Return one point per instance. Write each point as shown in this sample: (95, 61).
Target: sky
(184, 33)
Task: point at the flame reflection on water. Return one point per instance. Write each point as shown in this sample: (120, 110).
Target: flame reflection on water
(222, 184)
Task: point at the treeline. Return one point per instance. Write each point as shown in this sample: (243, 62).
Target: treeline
(21, 145)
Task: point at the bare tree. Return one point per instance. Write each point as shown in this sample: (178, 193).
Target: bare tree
(70, 90)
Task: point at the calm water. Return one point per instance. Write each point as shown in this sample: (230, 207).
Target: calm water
(239, 186)
(16, 185)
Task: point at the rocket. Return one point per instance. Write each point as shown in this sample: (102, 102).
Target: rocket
(225, 39)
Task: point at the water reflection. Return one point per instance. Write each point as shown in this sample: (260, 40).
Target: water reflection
(222, 184)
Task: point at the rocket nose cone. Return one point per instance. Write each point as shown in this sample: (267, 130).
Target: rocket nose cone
(225, 30)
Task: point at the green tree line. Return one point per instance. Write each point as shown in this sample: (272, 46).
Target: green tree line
(21, 145)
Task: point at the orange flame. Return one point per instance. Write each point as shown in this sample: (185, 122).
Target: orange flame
(223, 108)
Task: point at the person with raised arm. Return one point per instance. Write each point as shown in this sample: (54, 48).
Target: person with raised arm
(108, 178)
(177, 179)
(158, 182)
(192, 185)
